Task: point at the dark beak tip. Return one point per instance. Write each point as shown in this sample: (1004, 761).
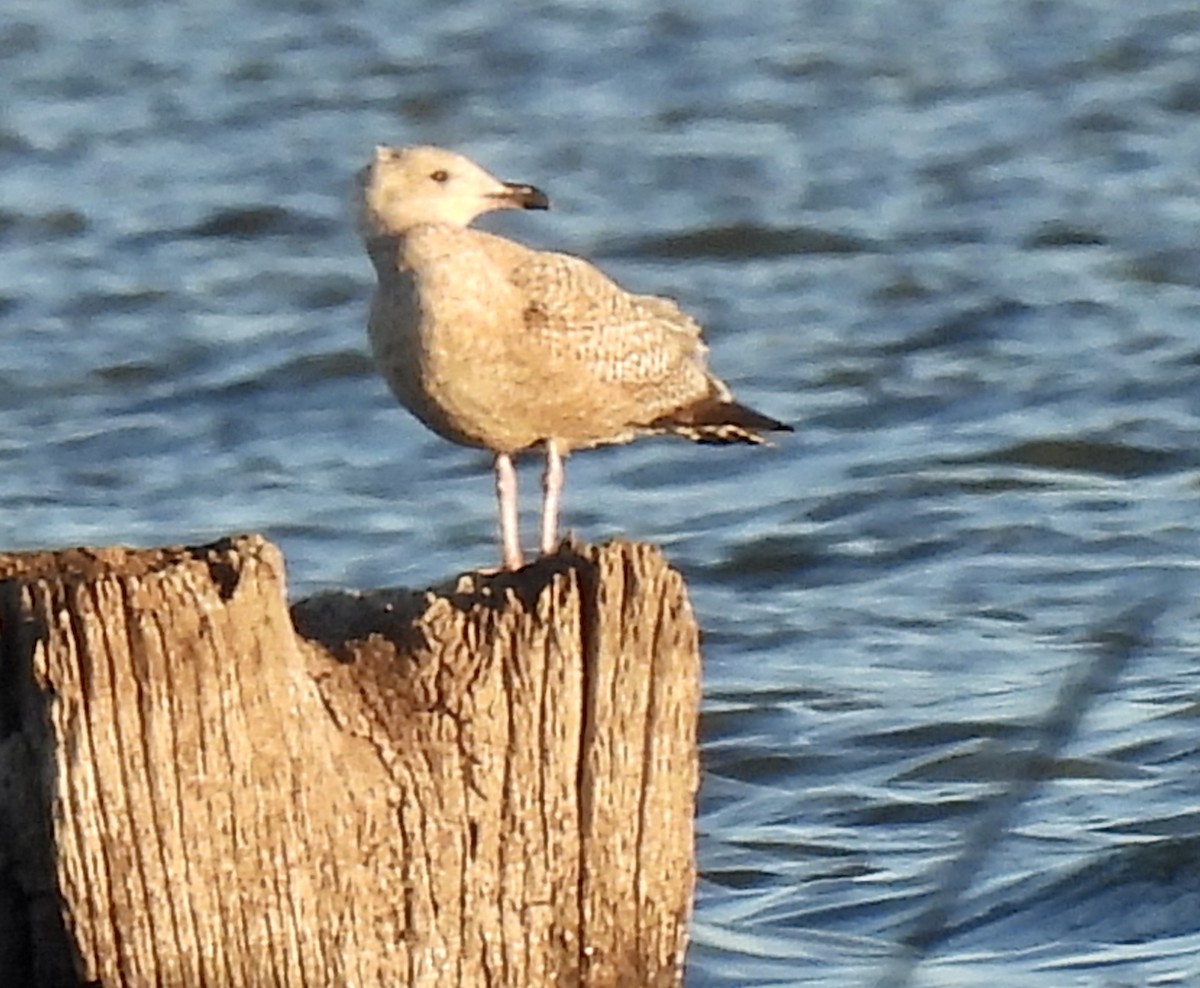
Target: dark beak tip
(527, 196)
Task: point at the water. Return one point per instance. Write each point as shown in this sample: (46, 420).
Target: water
(953, 242)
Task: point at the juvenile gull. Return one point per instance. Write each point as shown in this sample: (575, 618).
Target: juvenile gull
(495, 345)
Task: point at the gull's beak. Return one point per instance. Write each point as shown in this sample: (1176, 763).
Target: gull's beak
(517, 196)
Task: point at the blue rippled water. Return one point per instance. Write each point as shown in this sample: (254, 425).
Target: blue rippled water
(952, 719)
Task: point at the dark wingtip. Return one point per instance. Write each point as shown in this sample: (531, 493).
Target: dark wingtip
(712, 420)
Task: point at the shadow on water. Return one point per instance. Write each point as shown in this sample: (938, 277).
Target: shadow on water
(1116, 644)
(1071, 455)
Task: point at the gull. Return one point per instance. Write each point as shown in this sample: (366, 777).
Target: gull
(498, 346)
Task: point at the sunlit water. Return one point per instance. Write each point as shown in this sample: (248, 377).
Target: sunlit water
(953, 242)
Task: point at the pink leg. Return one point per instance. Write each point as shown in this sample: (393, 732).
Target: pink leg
(506, 494)
(552, 484)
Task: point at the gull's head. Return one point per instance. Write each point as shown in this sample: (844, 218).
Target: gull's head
(407, 187)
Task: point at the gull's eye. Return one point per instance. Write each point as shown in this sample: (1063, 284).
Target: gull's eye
(441, 175)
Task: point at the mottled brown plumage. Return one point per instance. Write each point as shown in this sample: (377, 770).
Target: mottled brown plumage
(492, 344)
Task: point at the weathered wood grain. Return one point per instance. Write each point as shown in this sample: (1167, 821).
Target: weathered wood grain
(491, 783)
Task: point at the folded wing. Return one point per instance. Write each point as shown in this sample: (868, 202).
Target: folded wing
(644, 347)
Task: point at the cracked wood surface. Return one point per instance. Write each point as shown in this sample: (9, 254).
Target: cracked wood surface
(490, 783)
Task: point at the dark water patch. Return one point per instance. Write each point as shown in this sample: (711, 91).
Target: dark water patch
(922, 737)
(30, 392)
(17, 500)
(283, 530)
(704, 465)
(717, 726)
(253, 291)
(895, 483)
(789, 847)
(54, 224)
(810, 64)
(255, 222)
(766, 697)
(1130, 54)
(21, 38)
(906, 553)
(117, 442)
(815, 699)
(908, 481)
(1157, 751)
(1189, 712)
(1055, 235)
(910, 812)
(1104, 120)
(996, 763)
(1128, 894)
(739, 879)
(89, 304)
(1002, 615)
(741, 240)
(308, 369)
(892, 409)
(735, 638)
(1106, 459)
(771, 559)
(882, 910)
(762, 765)
(1191, 359)
(720, 717)
(328, 292)
(252, 70)
(843, 377)
(99, 478)
(1046, 542)
(130, 374)
(905, 287)
(1186, 824)
(61, 223)
(802, 561)
(1169, 266)
(848, 504)
(1000, 485)
(979, 324)
(785, 864)
(973, 178)
(1183, 97)
(13, 143)
(959, 231)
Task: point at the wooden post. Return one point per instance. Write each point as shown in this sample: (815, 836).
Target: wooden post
(489, 784)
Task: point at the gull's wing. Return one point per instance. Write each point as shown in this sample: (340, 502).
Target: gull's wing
(578, 312)
(644, 348)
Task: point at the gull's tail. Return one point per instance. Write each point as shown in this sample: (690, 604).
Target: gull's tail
(715, 419)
